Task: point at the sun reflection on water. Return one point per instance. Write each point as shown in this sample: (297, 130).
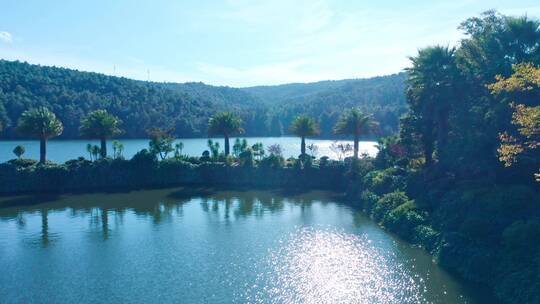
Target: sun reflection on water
(330, 266)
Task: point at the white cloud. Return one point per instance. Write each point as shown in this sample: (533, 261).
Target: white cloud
(6, 37)
(301, 16)
(258, 74)
(327, 43)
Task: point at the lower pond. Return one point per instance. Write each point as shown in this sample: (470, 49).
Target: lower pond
(206, 246)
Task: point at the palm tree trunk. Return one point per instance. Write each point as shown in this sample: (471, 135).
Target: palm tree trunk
(226, 145)
(303, 146)
(103, 149)
(356, 140)
(42, 150)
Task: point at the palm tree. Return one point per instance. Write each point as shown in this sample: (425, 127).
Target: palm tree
(304, 126)
(101, 125)
(40, 123)
(226, 124)
(355, 122)
(431, 94)
(89, 150)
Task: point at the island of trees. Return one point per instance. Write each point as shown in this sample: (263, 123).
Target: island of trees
(461, 179)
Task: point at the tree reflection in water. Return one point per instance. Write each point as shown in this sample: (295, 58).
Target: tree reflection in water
(44, 227)
(160, 205)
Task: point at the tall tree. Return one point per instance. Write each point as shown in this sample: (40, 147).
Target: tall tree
(493, 44)
(356, 123)
(225, 124)
(522, 140)
(431, 94)
(101, 125)
(40, 123)
(304, 126)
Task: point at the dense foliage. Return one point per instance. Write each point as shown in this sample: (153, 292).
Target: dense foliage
(186, 108)
(443, 182)
(521, 144)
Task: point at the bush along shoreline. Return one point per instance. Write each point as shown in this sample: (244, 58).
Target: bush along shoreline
(486, 233)
(24, 176)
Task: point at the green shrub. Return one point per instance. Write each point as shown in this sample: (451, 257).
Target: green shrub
(23, 162)
(272, 161)
(359, 167)
(383, 181)
(521, 234)
(403, 219)
(144, 159)
(304, 161)
(426, 236)
(323, 161)
(519, 263)
(77, 163)
(246, 158)
(368, 200)
(205, 156)
(387, 203)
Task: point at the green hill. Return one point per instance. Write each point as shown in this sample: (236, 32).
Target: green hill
(381, 96)
(186, 107)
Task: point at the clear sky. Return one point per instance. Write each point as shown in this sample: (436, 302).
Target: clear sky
(236, 42)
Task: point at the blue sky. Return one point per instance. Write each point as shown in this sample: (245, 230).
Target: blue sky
(237, 42)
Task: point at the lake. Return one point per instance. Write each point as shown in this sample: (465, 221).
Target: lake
(62, 150)
(184, 245)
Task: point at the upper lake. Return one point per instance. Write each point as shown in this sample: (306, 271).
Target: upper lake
(62, 150)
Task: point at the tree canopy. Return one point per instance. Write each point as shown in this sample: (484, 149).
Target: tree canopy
(304, 126)
(40, 123)
(521, 88)
(355, 122)
(100, 124)
(225, 123)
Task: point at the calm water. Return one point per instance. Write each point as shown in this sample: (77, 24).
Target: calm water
(62, 150)
(200, 246)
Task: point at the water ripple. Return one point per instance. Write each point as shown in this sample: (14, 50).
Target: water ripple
(331, 266)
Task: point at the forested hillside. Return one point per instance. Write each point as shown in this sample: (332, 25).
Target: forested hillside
(186, 107)
(72, 94)
(381, 96)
